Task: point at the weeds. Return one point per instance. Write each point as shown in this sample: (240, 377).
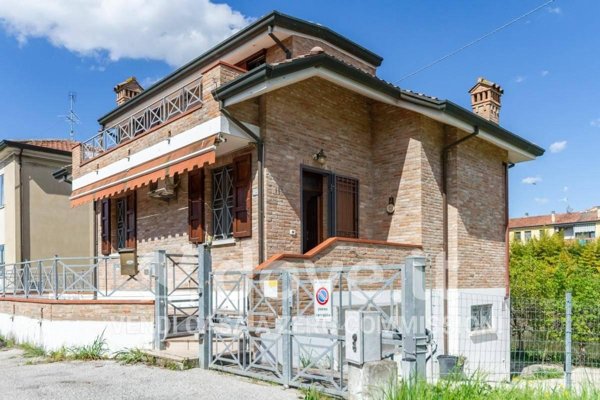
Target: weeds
(476, 389)
(313, 394)
(133, 356)
(96, 351)
(6, 342)
(32, 351)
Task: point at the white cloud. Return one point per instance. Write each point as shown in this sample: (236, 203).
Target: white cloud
(160, 30)
(554, 10)
(541, 200)
(544, 73)
(557, 147)
(531, 180)
(566, 189)
(595, 123)
(520, 79)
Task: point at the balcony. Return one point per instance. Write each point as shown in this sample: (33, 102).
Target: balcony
(158, 113)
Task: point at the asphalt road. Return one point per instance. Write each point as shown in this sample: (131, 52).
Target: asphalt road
(110, 380)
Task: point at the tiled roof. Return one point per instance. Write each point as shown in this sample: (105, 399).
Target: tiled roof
(56, 144)
(560, 219)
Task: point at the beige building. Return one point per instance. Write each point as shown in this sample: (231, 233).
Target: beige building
(36, 219)
(578, 225)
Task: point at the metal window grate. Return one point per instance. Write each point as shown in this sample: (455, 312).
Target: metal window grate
(346, 207)
(223, 203)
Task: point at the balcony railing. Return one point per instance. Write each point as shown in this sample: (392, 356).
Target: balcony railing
(161, 111)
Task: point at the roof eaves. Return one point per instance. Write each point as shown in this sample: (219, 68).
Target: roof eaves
(266, 72)
(25, 146)
(241, 37)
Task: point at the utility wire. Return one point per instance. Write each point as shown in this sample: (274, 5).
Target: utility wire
(506, 25)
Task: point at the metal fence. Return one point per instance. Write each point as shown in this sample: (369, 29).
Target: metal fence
(543, 342)
(69, 277)
(267, 324)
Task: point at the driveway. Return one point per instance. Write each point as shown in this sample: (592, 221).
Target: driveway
(110, 380)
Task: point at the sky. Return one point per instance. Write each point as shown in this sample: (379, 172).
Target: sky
(548, 64)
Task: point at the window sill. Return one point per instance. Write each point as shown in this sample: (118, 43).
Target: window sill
(223, 242)
(483, 332)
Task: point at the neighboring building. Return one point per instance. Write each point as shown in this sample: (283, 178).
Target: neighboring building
(36, 219)
(281, 140)
(578, 225)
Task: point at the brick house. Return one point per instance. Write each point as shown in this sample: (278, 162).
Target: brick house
(281, 143)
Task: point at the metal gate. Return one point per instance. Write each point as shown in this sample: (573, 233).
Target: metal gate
(264, 325)
(177, 300)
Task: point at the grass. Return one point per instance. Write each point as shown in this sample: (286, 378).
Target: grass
(6, 342)
(32, 351)
(313, 394)
(475, 389)
(133, 356)
(95, 351)
(545, 373)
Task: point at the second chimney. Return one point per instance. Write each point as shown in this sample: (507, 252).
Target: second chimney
(127, 90)
(486, 99)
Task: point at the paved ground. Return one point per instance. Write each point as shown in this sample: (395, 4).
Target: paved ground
(110, 380)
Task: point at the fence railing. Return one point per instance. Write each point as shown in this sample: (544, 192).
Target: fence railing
(159, 112)
(80, 277)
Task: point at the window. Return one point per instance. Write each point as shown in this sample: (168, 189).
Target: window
(481, 317)
(346, 207)
(527, 236)
(254, 61)
(1, 190)
(223, 203)
(518, 236)
(1, 254)
(232, 199)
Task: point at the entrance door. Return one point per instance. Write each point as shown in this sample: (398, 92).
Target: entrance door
(312, 210)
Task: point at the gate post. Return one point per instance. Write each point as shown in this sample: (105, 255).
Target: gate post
(568, 339)
(414, 337)
(286, 308)
(204, 305)
(160, 299)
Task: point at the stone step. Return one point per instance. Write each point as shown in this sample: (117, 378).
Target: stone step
(173, 360)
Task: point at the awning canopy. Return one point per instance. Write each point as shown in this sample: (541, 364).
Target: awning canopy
(185, 159)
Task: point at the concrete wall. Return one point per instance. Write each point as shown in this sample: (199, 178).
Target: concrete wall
(52, 324)
(9, 228)
(50, 225)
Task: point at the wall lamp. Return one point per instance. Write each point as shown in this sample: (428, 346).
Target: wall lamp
(320, 157)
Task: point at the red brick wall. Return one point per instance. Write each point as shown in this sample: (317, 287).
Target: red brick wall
(77, 310)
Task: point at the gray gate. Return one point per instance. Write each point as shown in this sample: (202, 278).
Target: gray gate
(265, 324)
(176, 291)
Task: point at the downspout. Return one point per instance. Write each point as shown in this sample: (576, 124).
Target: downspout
(445, 228)
(507, 166)
(260, 150)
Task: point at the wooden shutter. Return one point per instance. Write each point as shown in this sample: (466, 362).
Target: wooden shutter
(196, 206)
(242, 196)
(105, 226)
(130, 221)
(346, 207)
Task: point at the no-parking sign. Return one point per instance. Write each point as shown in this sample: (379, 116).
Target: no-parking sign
(322, 300)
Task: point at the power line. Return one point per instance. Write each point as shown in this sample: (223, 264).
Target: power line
(506, 25)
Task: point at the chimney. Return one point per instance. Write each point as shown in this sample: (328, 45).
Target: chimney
(553, 217)
(127, 90)
(486, 99)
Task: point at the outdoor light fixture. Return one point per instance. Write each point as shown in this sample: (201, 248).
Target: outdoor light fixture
(320, 157)
(220, 139)
(391, 207)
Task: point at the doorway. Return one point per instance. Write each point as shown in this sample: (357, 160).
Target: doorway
(312, 209)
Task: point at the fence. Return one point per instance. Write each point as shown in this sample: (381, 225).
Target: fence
(525, 341)
(273, 324)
